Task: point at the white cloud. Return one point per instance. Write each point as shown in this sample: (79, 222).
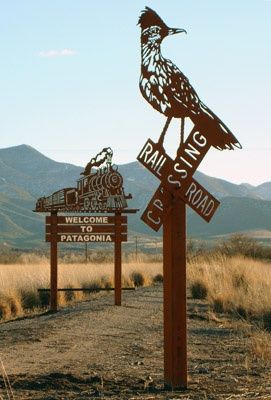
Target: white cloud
(57, 53)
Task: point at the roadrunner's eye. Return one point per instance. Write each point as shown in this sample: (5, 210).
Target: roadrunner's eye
(154, 30)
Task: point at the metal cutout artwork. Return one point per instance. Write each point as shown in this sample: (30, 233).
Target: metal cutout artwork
(168, 91)
(99, 190)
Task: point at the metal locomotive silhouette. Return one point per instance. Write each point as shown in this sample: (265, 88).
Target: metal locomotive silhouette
(100, 189)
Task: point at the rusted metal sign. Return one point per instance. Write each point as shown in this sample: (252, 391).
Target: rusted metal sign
(154, 158)
(93, 220)
(198, 198)
(100, 189)
(86, 229)
(168, 91)
(84, 237)
(176, 174)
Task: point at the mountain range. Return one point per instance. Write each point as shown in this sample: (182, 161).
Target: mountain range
(26, 174)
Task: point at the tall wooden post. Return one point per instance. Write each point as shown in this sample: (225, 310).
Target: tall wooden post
(174, 268)
(117, 259)
(53, 256)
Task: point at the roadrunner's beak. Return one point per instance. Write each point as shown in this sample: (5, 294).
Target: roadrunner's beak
(173, 31)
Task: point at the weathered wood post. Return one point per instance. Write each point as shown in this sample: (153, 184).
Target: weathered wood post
(53, 262)
(117, 259)
(174, 271)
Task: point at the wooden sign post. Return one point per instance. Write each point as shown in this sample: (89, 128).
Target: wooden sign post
(117, 259)
(99, 192)
(167, 208)
(53, 263)
(85, 229)
(174, 272)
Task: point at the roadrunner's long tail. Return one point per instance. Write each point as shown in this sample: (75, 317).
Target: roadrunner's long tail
(209, 124)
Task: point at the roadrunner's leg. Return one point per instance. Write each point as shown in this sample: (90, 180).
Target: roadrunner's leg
(182, 131)
(181, 136)
(162, 136)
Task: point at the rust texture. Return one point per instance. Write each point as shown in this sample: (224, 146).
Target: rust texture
(100, 189)
(53, 263)
(174, 272)
(177, 179)
(168, 91)
(117, 259)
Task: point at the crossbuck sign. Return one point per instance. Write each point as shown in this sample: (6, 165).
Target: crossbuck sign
(177, 178)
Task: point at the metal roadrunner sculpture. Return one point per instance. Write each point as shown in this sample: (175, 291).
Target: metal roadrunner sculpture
(168, 90)
(99, 190)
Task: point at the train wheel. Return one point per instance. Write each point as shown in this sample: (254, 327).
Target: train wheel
(86, 203)
(94, 204)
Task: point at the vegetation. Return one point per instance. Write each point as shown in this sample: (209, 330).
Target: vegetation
(234, 277)
(234, 284)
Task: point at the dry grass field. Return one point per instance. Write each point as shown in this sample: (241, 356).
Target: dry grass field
(49, 356)
(19, 283)
(235, 284)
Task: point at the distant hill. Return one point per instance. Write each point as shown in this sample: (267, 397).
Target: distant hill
(26, 174)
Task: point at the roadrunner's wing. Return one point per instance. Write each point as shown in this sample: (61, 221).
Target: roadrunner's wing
(182, 96)
(186, 103)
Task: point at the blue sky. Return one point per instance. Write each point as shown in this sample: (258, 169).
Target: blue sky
(70, 71)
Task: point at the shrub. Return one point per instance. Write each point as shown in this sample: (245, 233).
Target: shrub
(267, 320)
(106, 282)
(218, 305)
(93, 285)
(15, 305)
(242, 312)
(244, 245)
(44, 298)
(30, 299)
(158, 278)
(70, 295)
(5, 312)
(199, 290)
(137, 278)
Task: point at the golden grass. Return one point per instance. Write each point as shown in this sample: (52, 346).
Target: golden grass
(259, 345)
(234, 284)
(19, 284)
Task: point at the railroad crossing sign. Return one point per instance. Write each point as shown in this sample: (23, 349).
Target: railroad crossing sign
(177, 178)
(168, 91)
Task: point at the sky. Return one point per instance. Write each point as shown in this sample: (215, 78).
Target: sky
(70, 71)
